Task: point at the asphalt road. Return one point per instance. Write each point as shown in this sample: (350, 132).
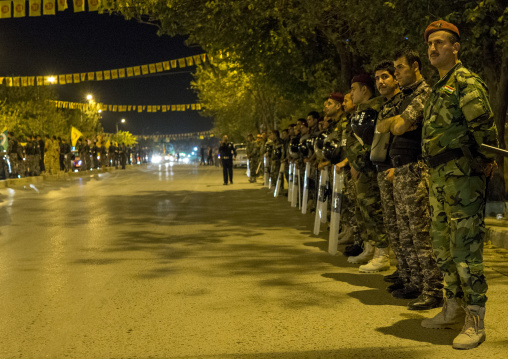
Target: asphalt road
(166, 262)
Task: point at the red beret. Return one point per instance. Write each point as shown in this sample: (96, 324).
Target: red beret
(441, 25)
(337, 96)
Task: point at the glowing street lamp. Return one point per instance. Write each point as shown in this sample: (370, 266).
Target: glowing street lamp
(122, 121)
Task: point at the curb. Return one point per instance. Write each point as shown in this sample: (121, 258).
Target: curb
(16, 182)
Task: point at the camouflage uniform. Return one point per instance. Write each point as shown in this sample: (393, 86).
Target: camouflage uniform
(418, 268)
(457, 120)
(349, 210)
(275, 160)
(252, 156)
(367, 189)
(389, 109)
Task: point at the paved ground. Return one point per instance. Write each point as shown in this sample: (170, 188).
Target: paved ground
(169, 263)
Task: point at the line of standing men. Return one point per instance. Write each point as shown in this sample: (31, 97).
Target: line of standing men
(416, 178)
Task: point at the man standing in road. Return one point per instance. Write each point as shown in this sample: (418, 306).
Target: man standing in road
(419, 277)
(363, 172)
(227, 152)
(457, 120)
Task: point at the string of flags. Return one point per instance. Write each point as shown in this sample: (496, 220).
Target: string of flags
(18, 8)
(105, 75)
(180, 136)
(126, 108)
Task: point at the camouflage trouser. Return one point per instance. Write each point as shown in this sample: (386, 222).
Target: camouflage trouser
(418, 267)
(457, 200)
(253, 166)
(369, 202)
(274, 171)
(389, 216)
(350, 213)
(14, 165)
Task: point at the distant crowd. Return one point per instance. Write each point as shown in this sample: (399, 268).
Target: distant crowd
(49, 155)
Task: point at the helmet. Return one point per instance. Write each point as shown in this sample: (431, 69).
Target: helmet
(364, 124)
(318, 145)
(306, 147)
(331, 149)
(293, 147)
(277, 152)
(269, 147)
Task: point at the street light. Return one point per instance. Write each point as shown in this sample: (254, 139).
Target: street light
(89, 97)
(122, 121)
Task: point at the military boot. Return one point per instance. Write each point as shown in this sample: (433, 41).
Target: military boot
(365, 256)
(473, 331)
(346, 236)
(450, 317)
(380, 262)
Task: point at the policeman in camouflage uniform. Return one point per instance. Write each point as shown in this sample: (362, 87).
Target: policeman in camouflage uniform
(363, 171)
(419, 276)
(336, 114)
(275, 156)
(457, 120)
(252, 156)
(388, 87)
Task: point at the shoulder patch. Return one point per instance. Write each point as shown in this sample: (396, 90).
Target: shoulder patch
(448, 89)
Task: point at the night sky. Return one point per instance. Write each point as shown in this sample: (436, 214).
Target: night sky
(71, 42)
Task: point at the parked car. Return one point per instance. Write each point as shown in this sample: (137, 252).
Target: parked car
(241, 158)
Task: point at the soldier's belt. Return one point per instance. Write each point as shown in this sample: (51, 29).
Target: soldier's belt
(401, 160)
(444, 157)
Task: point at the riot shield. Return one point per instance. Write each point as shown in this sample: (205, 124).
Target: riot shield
(338, 187)
(296, 185)
(306, 180)
(265, 171)
(280, 179)
(290, 181)
(321, 201)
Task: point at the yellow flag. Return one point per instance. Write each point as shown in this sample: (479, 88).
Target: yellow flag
(68, 78)
(75, 135)
(40, 80)
(5, 9)
(152, 68)
(99, 75)
(35, 7)
(19, 8)
(107, 75)
(62, 5)
(144, 69)
(137, 71)
(174, 64)
(93, 5)
(76, 78)
(130, 71)
(114, 74)
(159, 67)
(193, 106)
(189, 61)
(197, 59)
(108, 143)
(121, 73)
(48, 7)
(91, 76)
(166, 65)
(61, 79)
(181, 62)
(79, 5)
